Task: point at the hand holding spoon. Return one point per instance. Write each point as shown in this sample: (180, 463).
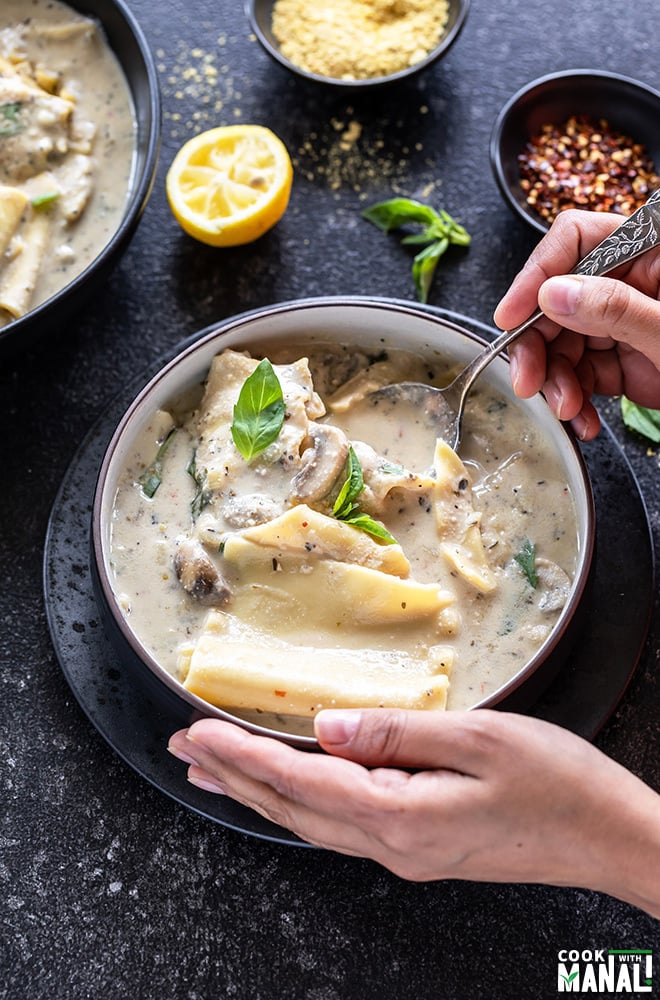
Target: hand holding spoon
(636, 234)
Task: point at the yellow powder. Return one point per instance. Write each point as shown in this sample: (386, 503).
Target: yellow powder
(357, 39)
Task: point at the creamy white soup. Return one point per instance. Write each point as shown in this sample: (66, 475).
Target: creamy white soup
(67, 141)
(355, 560)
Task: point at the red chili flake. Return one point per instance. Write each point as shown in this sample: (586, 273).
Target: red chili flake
(280, 694)
(585, 164)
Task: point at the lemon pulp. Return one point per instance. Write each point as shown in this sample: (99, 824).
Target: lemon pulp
(229, 185)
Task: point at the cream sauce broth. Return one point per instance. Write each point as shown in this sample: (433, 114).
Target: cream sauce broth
(517, 485)
(67, 144)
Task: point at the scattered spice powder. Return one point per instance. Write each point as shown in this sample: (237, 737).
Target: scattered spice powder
(358, 39)
(585, 164)
(193, 78)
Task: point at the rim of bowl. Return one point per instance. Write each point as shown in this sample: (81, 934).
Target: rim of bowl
(560, 76)
(218, 332)
(142, 181)
(443, 45)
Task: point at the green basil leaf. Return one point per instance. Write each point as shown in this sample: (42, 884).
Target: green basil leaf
(440, 229)
(424, 266)
(351, 488)
(259, 411)
(375, 528)
(44, 200)
(459, 236)
(526, 559)
(10, 123)
(397, 212)
(641, 419)
(418, 239)
(346, 509)
(152, 476)
(202, 496)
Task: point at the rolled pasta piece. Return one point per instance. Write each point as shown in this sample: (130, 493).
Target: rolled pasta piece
(271, 676)
(310, 534)
(18, 278)
(12, 206)
(217, 453)
(458, 523)
(68, 31)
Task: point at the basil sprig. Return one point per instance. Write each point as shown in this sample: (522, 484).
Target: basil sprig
(641, 419)
(439, 231)
(346, 509)
(202, 496)
(152, 476)
(526, 559)
(259, 411)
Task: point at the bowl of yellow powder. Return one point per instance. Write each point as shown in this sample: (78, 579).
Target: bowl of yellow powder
(357, 43)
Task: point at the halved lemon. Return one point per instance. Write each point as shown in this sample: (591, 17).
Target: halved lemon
(231, 184)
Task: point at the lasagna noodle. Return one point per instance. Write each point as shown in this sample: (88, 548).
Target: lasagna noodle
(253, 672)
(12, 205)
(330, 592)
(19, 275)
(307, 533)
(459, 525)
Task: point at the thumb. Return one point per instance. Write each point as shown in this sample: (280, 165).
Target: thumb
(385, 737)
(606, 308)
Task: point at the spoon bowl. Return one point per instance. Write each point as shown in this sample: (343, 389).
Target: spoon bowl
(444, 408)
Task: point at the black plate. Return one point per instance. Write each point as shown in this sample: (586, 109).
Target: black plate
(582, 698)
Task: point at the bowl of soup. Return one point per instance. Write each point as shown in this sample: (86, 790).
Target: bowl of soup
(270, 538)
(80, 133)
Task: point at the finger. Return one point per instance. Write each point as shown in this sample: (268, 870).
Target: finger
(315, 780)
(327, 801)
(586, 424)
(604, 307)
(600, 371)
(381, 738)
(572, 235)
(314, 828)
(527, 362)
(562, 389)
(384, 737)
(641, 379)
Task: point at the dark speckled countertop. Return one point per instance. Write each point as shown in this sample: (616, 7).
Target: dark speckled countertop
(110, 889)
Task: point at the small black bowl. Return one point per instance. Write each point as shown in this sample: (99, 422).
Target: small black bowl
(629, 107)
(130, 47)
(260, 14)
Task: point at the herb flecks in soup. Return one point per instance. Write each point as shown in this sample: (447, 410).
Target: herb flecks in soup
(351, 560)
(66, 150)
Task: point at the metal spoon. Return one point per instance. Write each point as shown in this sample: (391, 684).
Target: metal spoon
(637, 234)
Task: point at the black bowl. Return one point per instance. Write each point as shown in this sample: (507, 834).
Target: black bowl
(260, 14)
(129, 45)
(630, 107)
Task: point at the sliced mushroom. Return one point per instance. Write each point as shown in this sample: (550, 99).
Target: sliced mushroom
(198, 574)
(554, 585)
(249, 509)
(321, 464)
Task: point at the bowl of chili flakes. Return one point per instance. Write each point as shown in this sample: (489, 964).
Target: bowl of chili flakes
(577, 139)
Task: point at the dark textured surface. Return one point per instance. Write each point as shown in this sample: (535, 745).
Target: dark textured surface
(110, 889)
